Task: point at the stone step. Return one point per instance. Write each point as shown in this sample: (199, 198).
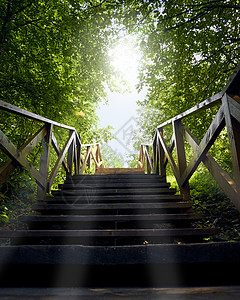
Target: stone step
(118, 208)
(112, 185)
(91, 199)
(106, 237)
(106, 171)
(118, 192)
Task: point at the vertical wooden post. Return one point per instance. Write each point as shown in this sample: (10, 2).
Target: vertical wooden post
(78, 156)
(89, 158)
(148, 163)
(155, 156)
(70, 155)
(44, 162)
(233, 129)
(161, 156)
(140, 158)
(181, 156)
(75, 155)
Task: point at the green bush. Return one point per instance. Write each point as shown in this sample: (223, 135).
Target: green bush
(217, 210)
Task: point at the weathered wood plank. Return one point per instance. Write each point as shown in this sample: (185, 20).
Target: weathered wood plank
(85, 160)
(168, 155)
(234, 108)
(25, 149)
(60, 158)
(94, 157)
(149, 159)
(162, 156)
(233, 129)
(10, 150)
(45, 161)
(209, 138)
(171, 147)
(225, 182)
(58, 151)
(181, 156)
(212, 101)
(19, 111)
(70, 154)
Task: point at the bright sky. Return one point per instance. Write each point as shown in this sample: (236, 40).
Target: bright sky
(120, 112)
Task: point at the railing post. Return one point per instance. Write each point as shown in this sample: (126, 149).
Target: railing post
(89, 158)
(78, 155)
(233, 129)
(161, 156)
(155, 156)
(44, 161)
(70, 155)
(140, 158)
(148, 163)
(181, 156)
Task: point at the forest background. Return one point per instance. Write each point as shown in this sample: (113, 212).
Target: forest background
(55, 62)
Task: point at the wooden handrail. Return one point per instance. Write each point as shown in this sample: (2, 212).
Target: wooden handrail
(228, 115)
(27, 114)
(18, 157)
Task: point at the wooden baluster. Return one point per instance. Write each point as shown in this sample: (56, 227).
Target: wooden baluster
(44, 162)
(161, 156)
(181, 156)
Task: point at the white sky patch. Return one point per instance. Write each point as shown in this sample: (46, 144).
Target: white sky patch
(121, 110)
(125, 58)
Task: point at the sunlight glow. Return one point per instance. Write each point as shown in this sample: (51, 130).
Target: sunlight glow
(125, 59)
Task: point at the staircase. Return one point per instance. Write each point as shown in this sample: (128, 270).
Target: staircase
(111, 210)
(112, 224)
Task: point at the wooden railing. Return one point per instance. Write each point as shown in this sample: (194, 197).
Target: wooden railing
(94, 152)
(228, 115)
(69, 156)
(145, 158)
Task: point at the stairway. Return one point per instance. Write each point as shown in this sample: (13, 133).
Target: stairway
(107, 223)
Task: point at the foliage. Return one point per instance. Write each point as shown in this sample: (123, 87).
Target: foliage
(190, 49)
(54, 62)
(17, 196)
(217, 210)
(111, 159)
